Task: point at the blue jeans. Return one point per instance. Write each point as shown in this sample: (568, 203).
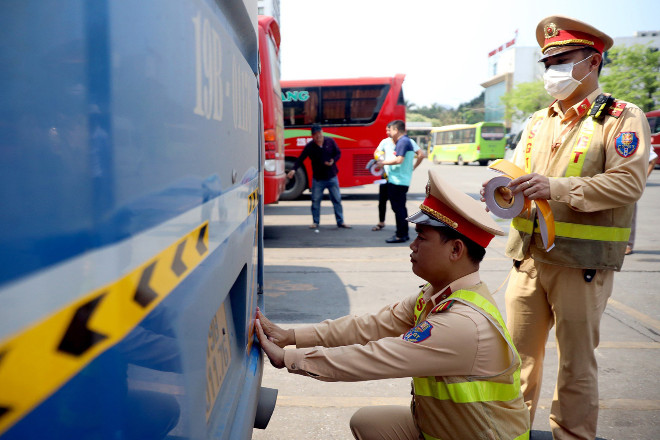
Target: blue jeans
(335, 196)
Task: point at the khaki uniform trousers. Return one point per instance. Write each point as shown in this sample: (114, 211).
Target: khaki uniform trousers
(539, 296)
(389, 422)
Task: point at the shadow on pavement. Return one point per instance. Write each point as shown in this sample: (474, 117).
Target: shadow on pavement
(297, 294)
(329, 236)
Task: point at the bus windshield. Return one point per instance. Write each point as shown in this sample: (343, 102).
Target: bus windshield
(492, 133)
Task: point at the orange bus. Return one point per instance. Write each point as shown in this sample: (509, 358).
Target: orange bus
(270, 94)
(354, 112)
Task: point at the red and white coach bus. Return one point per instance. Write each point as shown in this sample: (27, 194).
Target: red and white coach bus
(354, 112)
(270, 94)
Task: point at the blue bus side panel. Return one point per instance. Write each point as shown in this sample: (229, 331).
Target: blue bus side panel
(118, 119)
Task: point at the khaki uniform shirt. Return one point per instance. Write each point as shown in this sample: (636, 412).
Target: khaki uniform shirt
(356, 348)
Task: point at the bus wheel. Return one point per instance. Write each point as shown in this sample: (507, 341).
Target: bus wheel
(296, 185)
(460, 161)
(483, 163)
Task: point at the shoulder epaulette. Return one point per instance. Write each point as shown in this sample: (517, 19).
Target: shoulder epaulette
(601, 106)
(616, 109)
(442, 307)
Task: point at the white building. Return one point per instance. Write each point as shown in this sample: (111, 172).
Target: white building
(507, 68)
(652, 38)
(269, 7)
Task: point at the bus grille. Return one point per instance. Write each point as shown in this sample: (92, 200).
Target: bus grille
(360, 162)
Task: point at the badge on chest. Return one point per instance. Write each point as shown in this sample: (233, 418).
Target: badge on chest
(418, 333)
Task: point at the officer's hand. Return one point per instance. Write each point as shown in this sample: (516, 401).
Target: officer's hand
(275, 354)
(533, 186)
(330, 162)
(276, 334)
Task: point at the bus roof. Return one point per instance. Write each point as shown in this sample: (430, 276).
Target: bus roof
(461, 126)
(398, 78)
(271, 27)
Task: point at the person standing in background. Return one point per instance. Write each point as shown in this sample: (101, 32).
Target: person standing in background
(324, 154)
(385, 151)
(399, 173)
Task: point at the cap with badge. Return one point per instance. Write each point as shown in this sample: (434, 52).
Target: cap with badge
(446, 206)
(558, 34)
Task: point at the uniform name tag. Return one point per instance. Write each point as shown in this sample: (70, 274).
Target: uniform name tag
(419, 333)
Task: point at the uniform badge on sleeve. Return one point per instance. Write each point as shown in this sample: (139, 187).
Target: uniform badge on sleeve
(626, 143)
(419, 333)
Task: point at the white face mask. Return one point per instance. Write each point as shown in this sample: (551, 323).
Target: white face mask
(558, 79)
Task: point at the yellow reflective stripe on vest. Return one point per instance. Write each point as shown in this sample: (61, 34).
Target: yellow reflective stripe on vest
(473, 391)
(576, 230)
(576, 161)
(468, 392)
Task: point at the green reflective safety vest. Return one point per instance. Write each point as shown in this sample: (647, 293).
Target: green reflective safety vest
(453, 407)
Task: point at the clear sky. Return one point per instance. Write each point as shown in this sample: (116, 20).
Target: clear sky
(442, 46)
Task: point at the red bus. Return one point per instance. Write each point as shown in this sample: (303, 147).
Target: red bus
(654, 121)
(354, 112)
(270, 94)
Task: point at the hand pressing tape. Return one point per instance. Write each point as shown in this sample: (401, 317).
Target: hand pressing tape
(503, 209)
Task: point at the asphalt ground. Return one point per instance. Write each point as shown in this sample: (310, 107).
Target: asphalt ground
(312, 276)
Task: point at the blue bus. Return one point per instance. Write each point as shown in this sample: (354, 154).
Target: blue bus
(131, 248)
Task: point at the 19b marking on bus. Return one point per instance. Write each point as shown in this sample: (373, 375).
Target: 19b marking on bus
(210, 89)
(208, 69)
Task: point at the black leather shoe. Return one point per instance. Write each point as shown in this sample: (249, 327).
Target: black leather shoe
(395, 239)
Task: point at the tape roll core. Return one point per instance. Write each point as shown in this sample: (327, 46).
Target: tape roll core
(496, 202)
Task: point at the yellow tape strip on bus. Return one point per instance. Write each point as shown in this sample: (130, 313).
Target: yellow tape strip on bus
(38, 361)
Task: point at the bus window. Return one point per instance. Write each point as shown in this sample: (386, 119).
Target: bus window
(492, 133)
(300, 106)
(353, 111)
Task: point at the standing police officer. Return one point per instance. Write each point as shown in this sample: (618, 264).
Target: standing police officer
(587, 154)
(450, 337)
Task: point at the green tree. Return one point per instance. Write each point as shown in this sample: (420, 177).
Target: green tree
(524, 99)
(633, 74)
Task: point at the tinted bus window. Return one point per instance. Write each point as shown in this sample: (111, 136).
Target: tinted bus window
(353, 111)
(300, 106)
(336, 106)
(490, 133)
(653, 123)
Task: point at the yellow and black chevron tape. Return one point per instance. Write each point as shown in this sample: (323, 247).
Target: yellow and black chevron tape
(253, 200)
(38, 361)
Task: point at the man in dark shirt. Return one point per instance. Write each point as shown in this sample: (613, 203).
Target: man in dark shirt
(324, 154)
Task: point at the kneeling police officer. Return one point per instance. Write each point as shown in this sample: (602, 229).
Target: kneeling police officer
(449, 337)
